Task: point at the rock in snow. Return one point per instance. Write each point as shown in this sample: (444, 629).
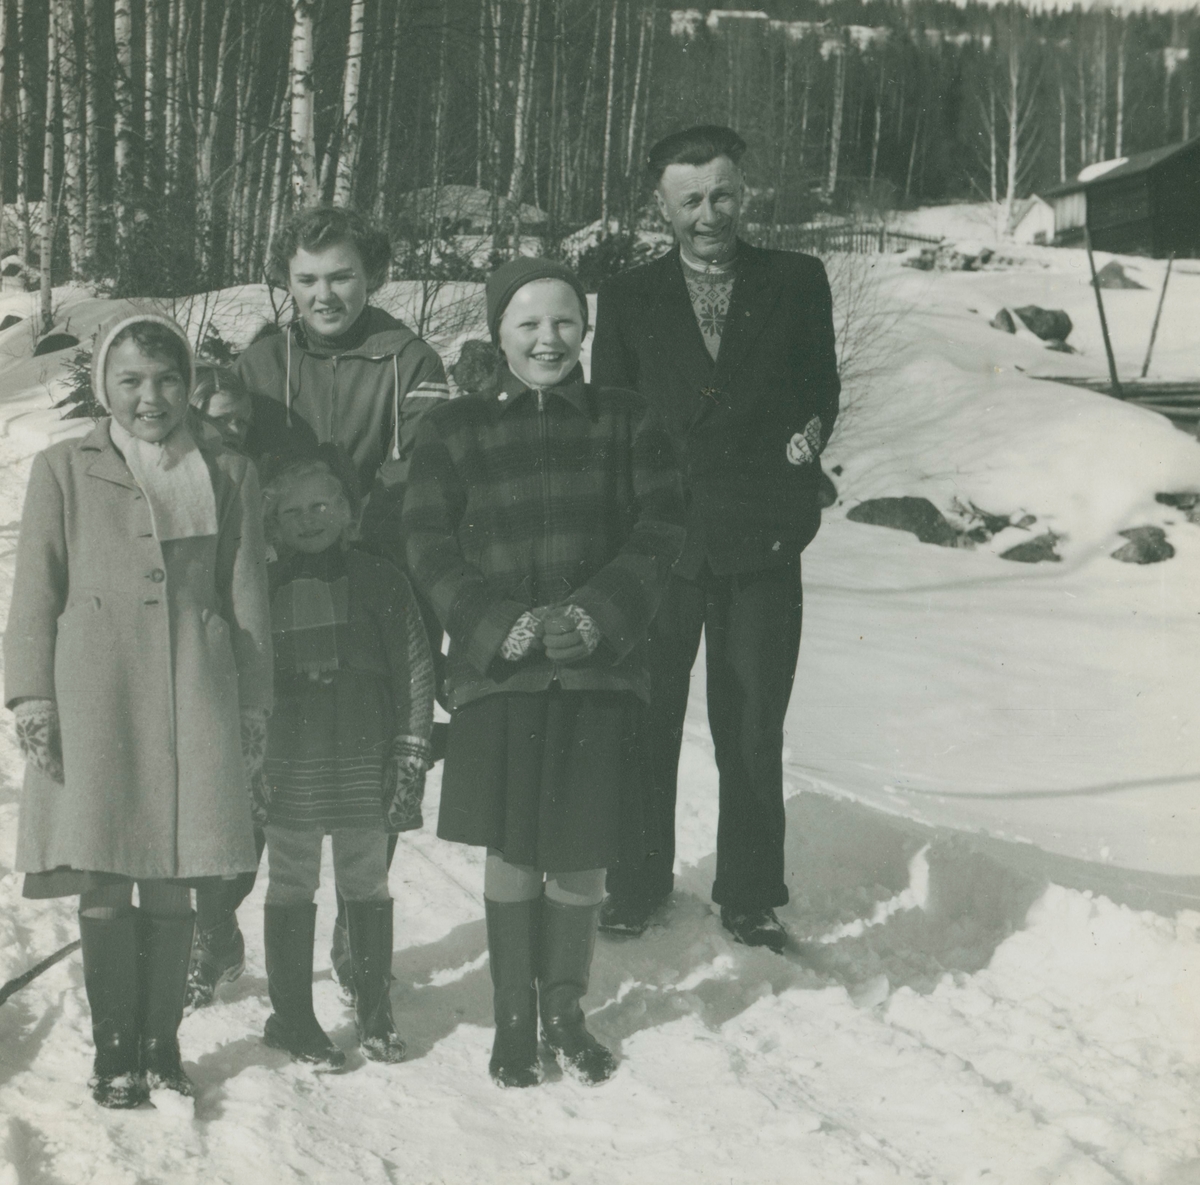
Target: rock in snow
(917, 515)
(1147, 545)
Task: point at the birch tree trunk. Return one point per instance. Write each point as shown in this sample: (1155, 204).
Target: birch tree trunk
(282, 149)
(835, 131)
(303, 146)
(152, 113)
(382, 179)
(348, 155)
(1015, 127)
(520, 115)
(209, 123)
(45, 303)
(93, 212)
(74, 194)
(1062, 127)
(123, 131)
(878, 126)
(606, 155)
(481, 108)
(516, 181)
(243, 165)
(23, 107)
(1120, 120)
(635, 101)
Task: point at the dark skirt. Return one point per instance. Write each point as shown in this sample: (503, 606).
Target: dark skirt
(552, 779)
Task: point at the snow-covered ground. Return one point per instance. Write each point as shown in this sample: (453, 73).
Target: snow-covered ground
(993, 845)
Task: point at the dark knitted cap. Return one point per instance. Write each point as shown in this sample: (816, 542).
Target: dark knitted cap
(503, 283)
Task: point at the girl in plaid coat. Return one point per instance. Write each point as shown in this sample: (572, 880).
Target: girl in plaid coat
(542, 516)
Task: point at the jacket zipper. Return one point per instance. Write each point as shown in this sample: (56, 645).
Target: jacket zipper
(544, 440)
(333, 399)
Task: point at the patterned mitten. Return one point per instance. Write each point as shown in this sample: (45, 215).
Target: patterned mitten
(805, 446)
(404, 783)
(523, 636)
(254, 752)
(571, 635)
(39, 736)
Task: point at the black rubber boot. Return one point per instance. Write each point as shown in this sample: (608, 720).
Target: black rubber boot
(165, 947)
(512, 932)
(288, 938)
(339, 954)
(568, 939)
(110, 977)
(369, 925)
(218, 957)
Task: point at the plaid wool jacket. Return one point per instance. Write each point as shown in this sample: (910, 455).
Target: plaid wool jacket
(519, 499)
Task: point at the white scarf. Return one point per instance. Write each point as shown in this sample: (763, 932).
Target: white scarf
(175, 479)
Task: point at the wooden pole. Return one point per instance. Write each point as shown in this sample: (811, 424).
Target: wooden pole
(1157, 313)
(1112, 362)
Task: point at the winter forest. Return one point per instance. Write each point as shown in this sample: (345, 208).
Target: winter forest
(167, 138)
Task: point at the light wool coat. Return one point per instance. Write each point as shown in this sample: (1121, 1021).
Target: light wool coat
(148, 649)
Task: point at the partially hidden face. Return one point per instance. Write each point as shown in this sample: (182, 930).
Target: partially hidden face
(311, 511)
(541, 332)
(329, 287)
(147, 393)
(232, 413)
(703, 204)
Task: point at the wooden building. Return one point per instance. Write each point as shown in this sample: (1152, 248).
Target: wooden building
(1148, 204)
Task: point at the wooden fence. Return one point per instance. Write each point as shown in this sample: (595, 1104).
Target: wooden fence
(861, 238)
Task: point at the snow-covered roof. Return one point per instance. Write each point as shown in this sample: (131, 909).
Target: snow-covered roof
(1125, 166)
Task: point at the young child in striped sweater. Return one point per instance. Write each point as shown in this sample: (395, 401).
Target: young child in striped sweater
(347, 749)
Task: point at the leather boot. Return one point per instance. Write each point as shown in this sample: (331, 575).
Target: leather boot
(288, 938)
(165, 947)
(218, 957)
(567, 941)
(339, 954)
(512, 930)
(110, 977)
(369, 926)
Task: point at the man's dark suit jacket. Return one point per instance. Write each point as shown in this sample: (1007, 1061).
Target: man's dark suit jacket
(731, 420)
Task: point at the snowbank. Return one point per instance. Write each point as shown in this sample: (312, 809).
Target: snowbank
(976, 749)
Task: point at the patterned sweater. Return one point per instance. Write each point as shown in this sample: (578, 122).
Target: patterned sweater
(519, 499)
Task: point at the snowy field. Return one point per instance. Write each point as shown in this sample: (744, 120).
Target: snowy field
(993, 847)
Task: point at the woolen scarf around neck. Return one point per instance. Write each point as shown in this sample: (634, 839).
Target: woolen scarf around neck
(175, 479)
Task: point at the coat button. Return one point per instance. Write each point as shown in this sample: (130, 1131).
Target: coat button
(157, 575)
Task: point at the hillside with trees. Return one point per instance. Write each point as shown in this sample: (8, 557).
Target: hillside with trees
(167, 138)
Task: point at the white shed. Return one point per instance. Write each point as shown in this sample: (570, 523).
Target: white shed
(1033, 221)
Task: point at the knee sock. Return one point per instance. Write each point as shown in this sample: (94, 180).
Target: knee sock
(506, 883)
(576, 888)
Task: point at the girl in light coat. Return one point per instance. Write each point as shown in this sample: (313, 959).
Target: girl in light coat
(138, 666)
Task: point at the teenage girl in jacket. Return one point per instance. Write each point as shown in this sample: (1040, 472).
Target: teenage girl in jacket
(138, 666)
(356, 377)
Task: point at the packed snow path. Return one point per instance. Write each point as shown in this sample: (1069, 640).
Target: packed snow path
(957, 1007)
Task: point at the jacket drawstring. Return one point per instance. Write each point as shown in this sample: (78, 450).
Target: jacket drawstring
(396, 405)
(287, 379)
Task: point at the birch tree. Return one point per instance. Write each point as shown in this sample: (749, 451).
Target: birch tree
(303, 144)
(45, 303)
(123, 133)
(348, 154)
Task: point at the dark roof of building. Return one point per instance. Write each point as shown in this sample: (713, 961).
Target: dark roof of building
(1141, 162)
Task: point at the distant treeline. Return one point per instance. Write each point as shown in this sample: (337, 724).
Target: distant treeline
(172, 135)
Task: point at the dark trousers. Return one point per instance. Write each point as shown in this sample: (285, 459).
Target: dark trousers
(751, 623)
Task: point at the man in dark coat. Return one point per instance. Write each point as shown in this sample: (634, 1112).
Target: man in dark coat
(735, 346)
